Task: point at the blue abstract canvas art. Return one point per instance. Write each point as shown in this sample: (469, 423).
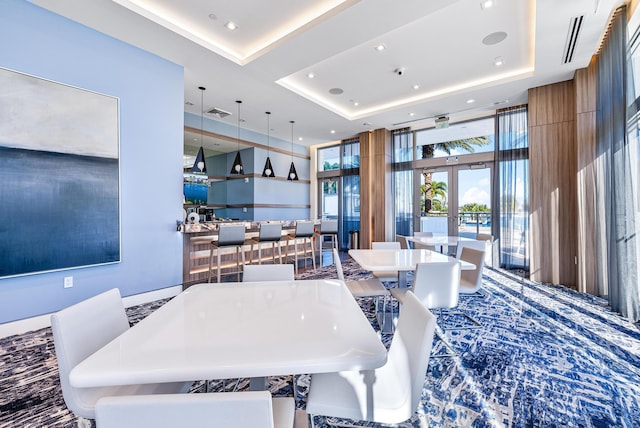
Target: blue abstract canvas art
(59, 175)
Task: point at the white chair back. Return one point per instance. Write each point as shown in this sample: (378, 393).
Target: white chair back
(426, 234)
(247, 409)
(268, 273)
(336, 259)
(471, 280)
(437, 285)
(410, 348)
(475, 244)
(79, 331)
(304, 229)
(270, 232)
(231, 235)
(394, 245)
(403, 242)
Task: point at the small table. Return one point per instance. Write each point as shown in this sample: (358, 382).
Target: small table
(438, 240)
(231, 330)
(400, 260)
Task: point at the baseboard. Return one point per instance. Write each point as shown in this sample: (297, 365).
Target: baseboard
(42, 321)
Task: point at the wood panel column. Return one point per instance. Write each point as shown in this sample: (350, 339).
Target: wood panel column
(376, 199)
(585, 81)
(553, 183)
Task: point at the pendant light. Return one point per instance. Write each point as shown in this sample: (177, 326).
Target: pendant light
(268, 169)
(293, 175)
(200, 165)
(237, 168)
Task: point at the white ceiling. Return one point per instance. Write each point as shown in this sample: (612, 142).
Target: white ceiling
(438, 45)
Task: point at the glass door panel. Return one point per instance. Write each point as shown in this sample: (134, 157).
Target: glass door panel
(329, 199)
(473, 201)
(434, 201)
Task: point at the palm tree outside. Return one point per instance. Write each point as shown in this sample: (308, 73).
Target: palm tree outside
(428, 151)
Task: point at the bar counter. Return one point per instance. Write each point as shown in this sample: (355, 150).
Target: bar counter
(196, 248)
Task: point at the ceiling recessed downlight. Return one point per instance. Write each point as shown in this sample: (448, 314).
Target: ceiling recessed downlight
(336, 91)
(494, 38)
(471, 101)
(311, 75)
(231, 26)
(498, 61)
(486, 4)
(380, 47)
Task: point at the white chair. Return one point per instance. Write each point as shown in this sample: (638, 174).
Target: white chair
(82, 329)
(270, 233)
(305, 231)
(397, 386)
(419, 246)
(250, 409)
(478, 245)
(386, 276)
(268, 273)
(471, 280)
(404, 244)
(369, 287)
(229, 236)
(435, 284)
(437, 287)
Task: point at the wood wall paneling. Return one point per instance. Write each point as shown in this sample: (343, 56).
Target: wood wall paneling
(553, 183)
(366, 170)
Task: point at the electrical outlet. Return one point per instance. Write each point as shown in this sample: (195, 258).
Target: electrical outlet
(68, 281)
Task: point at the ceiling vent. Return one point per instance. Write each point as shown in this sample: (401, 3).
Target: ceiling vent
(575, 25)
(218, 112)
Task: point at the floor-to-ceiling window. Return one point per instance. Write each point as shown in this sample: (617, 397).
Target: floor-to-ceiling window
(339, 187)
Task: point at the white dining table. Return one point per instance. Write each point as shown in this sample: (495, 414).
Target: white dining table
(401, 260)
(439, 240)
(232, 330)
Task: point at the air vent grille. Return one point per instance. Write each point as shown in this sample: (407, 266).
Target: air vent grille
(575, 25)
(218, 112)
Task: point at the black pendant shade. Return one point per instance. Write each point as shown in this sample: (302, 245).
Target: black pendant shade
(200, 165)
(237, 168)
(293, 175)
(268, 169)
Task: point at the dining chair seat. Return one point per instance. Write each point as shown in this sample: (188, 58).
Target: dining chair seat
(250, 409)
(389, 394)
(82, 329)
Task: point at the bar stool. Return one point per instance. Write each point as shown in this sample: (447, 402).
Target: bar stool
(270, 233)
(305, 230)
(231, 236)
(329, 228)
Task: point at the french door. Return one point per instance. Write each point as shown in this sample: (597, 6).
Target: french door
(454, 200)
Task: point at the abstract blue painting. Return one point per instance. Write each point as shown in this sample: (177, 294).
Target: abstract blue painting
(59, 169)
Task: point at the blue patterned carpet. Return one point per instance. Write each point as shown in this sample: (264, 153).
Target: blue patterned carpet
(545, 356)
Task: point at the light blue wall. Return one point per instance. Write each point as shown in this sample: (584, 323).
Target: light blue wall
(151, 93)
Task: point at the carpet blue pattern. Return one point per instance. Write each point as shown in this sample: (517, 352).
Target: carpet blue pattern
(545, 356)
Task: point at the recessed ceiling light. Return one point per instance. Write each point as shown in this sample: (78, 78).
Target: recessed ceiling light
(231, 26)
(486, 4)
(299, 138)
(416, 87)
(333, 131)
(355, 103)
(412, 114)
(471, 101)
(498, 61)
(311, 75)
(380, 47)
